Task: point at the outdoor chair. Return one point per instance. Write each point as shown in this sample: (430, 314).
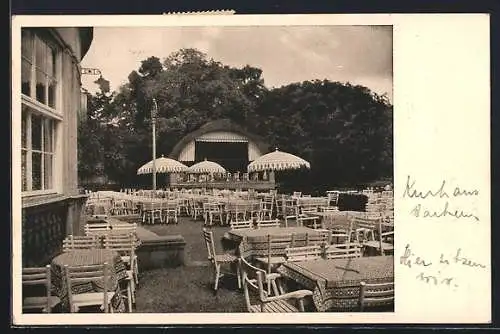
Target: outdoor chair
(275, 251)
(38, 277)
(236, 211)
(196, 208)
(290, 209)
(241, 225)
(169, 211)
(258, 300)
(376, 295)
(308, 221)
(341, 251)
(268, 223)
(333, 198)
(383, 240)
(80, 242)
(97, 228)
(123, 228)
(119, 207)
(303, 253)
(212, 211)
(125, 246)
(85, 275)
(218, 260)
(151, 211)
(266, 207)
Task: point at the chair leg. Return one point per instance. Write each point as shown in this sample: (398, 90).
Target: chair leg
(129, 297)
(238, 273)
(217, 274)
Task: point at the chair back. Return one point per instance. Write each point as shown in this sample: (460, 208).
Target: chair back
(375, 295)
(308, 220)
(208, 236)
(88, 274)
(342, 251)
(80, 242)
(124, 244)
(124, 228)
(268, 223)
(253, 279)
(241, 225)
(304, 253)
(32, 276)
(97, 228)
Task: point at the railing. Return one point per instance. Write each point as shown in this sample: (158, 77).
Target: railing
(232, 185)
(46, 224)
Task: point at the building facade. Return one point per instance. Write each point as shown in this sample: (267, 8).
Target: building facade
(52, 206)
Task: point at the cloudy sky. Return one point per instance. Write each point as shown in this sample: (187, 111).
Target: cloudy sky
(356, 54)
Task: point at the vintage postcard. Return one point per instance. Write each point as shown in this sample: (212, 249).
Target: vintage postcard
(251, 169)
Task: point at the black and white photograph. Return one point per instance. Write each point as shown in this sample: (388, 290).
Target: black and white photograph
(205, 169)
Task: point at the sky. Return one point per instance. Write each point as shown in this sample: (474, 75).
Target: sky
(286, 54)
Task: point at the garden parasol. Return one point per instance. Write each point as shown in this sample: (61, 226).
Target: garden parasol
(206, 167)
(163, 165)
(277, 161)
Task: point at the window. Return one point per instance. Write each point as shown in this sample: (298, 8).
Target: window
(40, 112)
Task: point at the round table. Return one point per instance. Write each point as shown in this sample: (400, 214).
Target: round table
(85, 257)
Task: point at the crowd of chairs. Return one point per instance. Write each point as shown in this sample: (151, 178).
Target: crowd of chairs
(363, 236)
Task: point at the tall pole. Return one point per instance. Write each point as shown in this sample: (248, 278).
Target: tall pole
(153, 123)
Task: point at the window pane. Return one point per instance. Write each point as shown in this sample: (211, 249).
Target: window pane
(24, 186)
(26, 77)
(47, 136)
(36, 132)
(41, 55)
(36, 170)
(51, 63)
(26, 44)
(24, 130)
(41, 82)
(52, 92)
(47, 169)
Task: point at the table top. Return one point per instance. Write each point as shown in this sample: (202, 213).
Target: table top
(342, 272)
(86, 257)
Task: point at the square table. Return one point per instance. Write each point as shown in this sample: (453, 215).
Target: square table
(335, 282)
(84, 257)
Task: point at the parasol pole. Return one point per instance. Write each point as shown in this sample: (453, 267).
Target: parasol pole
(153, 123)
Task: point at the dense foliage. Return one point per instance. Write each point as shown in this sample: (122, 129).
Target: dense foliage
(345, 131)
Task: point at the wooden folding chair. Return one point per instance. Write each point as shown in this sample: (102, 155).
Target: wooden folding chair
(258, 299)
(341, 251)
(275, 244)
(241, 225)
(89, 274)
(170, 210)
(303, 253)
(99, 228)
(38, 277)
(373, 295)
(218, 260)
(80, 242)
(383, 240)
(125, 245)
(268, 223)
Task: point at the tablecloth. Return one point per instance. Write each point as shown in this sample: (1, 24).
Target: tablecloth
(335, 282)
(89, 257)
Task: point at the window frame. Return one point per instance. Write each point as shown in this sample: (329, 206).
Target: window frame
(48, 115)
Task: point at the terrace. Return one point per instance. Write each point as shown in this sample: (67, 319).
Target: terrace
(174, 273)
